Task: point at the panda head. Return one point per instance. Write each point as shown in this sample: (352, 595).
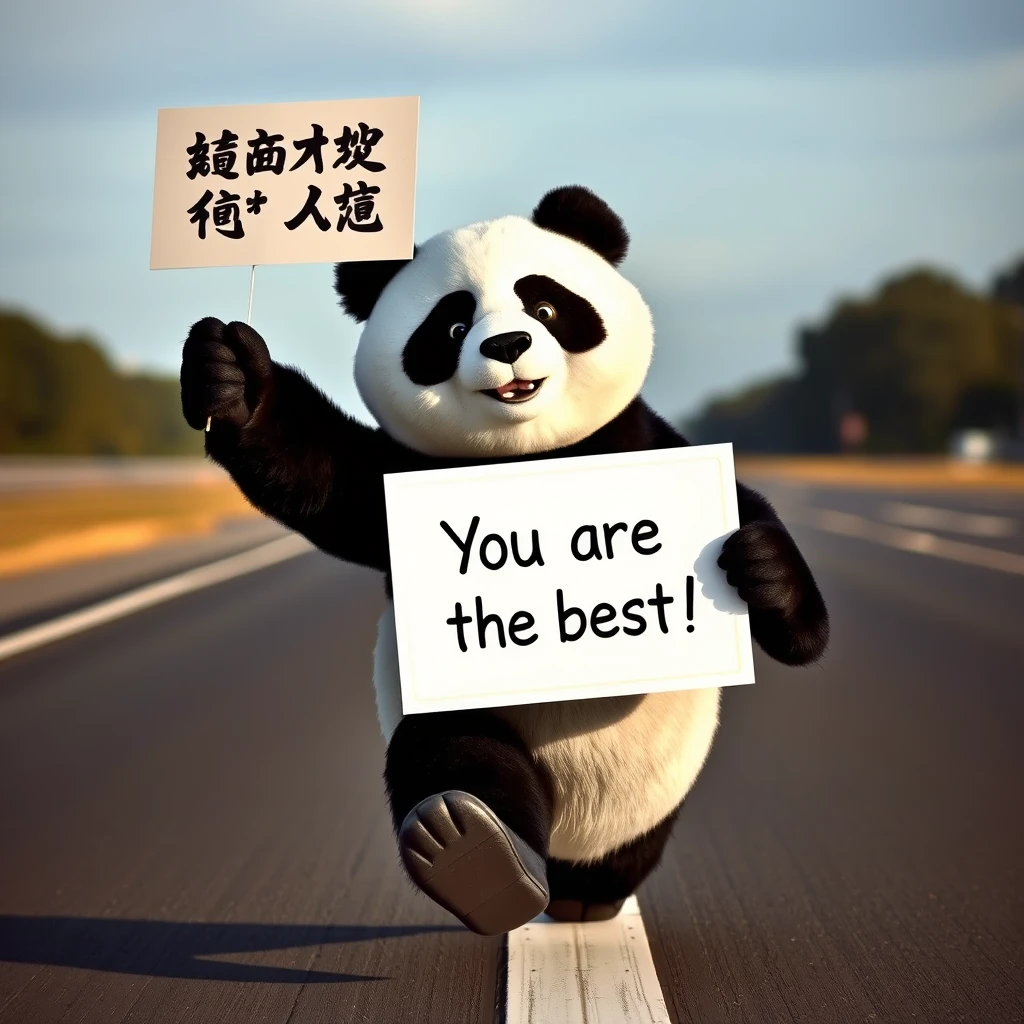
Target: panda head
(502, 338)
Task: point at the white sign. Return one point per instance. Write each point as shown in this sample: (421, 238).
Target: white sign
(285, 183)
(565, 578)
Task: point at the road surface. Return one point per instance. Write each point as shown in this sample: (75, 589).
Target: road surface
(193, 824)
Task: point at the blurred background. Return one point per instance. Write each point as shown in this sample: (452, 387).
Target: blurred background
(826, 204)
(824, 198)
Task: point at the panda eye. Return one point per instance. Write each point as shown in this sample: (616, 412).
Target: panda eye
(457, 332)
(544, 312)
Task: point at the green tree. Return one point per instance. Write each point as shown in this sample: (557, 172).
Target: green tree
(921, 357)
(904, 359)
(1008, 286)
(63, 396)
(1008, 289)
(758, 419)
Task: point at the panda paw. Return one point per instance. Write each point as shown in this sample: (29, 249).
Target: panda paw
(457, 850)
(788, 617)
(225, 372)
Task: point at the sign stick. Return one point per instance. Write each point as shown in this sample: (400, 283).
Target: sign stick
(248, 321)
(252, 281)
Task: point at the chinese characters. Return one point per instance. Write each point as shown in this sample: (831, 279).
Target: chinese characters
(268, 153)
(355, 208)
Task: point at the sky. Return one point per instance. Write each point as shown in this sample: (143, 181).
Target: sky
(767, 158)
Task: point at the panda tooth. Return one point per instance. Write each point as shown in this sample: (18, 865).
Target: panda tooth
(530, 387)
(508, 394)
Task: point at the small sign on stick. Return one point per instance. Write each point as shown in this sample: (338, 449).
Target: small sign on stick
(285, 183)
(566, 578)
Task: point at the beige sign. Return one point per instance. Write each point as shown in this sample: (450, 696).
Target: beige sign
(285, 183)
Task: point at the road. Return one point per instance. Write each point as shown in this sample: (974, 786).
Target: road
(193, 825)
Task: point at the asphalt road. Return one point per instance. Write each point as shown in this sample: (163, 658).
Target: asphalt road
(193, 825)
(28, 600)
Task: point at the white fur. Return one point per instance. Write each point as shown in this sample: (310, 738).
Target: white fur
(619, 764)
(582, 392)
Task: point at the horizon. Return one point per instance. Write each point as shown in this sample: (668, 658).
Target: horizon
(765, 163)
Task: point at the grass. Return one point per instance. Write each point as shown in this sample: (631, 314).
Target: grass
(40, 530)
(43, 529)
(886, 471)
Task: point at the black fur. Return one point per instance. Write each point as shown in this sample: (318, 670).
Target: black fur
(360, 283)
(578, 214)
(431, 355)
(224, 371)
(576, 325)
(300, 459)
(292, 452)
(477, 753)
(616, 875)
(787, 613)
(303, 461)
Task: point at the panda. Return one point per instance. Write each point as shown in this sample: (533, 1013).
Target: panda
(511, 339)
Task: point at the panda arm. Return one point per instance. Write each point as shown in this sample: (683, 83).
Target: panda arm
(788, 617)
(310, 466)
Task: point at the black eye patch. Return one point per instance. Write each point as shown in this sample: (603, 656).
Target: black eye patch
(431, 355)
(576, 325)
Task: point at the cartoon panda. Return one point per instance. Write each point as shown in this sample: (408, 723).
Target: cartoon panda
(505, 340)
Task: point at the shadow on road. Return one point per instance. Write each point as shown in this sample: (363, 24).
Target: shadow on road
(174, 949)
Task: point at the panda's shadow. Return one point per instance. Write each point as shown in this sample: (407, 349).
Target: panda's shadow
(713, 585)
(189, 949)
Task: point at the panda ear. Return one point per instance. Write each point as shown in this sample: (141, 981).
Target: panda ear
(359, 284)
(576, 212)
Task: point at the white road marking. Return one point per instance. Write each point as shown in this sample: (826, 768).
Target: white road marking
(928, 518)
(849, 525)
(153, 593)
(600, 972)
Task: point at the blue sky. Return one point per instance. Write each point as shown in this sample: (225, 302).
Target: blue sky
(766, 157)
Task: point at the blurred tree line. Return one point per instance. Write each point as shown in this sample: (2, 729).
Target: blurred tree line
(63, 396)
(898, 371)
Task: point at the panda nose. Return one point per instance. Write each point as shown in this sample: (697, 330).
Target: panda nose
(506, 348)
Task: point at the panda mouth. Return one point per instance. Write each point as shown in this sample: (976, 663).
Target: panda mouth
(516, 391)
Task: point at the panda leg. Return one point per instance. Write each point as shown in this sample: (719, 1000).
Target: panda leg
(596, 890)
(472, 815)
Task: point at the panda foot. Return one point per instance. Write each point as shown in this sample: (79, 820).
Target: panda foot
(575, 910)
(463, 857)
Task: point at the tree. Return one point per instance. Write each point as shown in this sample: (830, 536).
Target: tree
(63, 396)
(1008, 288)
(904, 359)
(920, 357)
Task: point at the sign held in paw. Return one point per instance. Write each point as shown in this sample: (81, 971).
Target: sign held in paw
(329, 181)
(564, 579)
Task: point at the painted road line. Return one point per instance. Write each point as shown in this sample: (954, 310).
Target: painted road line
(849, 525)
(154, 593)
(928, 518)
(600, 972)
